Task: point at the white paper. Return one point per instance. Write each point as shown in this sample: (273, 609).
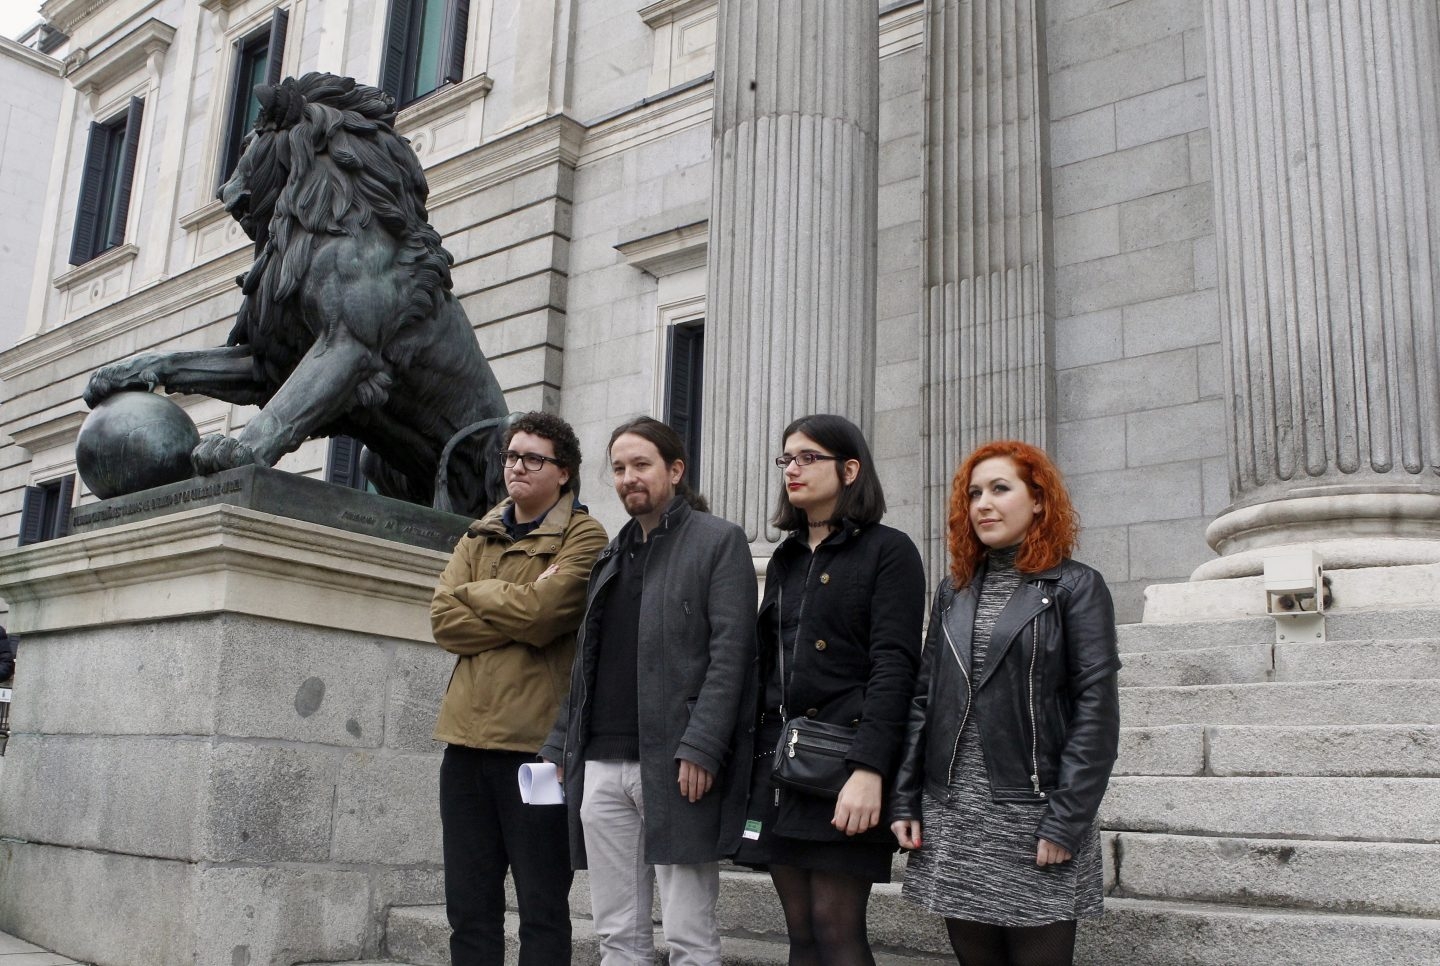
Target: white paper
(538, 785)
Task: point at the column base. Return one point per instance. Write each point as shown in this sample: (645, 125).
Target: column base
(1349, 530)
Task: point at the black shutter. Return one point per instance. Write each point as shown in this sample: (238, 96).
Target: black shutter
(275, 52)
(92, 186)
(452, 41)
(397, 40)
(62, 506)
(686, 353)
(344, 462)
(32, 516)
(231, 144)
(127, 172)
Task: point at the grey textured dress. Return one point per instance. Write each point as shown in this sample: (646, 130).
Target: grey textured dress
(977, 861)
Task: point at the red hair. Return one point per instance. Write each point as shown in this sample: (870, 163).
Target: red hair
(1050, 539)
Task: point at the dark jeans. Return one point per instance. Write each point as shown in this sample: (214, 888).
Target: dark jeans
(487, 829)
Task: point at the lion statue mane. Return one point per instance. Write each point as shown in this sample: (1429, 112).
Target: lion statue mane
(347, 324)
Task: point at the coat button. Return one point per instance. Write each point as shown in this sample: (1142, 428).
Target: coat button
(819, 645)
(824, 578)
(811, 712)
(1044, 600)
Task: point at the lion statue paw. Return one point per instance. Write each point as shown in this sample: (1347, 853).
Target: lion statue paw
(216, 453)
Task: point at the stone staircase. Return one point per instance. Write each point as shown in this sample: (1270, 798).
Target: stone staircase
(1274, 805)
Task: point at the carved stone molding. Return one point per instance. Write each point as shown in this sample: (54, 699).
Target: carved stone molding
(668, 252)
(986, 356)
(1327, 198)
(792, 268)
(96, 71)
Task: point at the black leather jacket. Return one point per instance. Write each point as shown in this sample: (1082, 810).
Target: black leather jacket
(1047, 702)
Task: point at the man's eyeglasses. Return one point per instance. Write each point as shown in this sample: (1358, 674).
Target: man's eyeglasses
(534, 462)
(805, 459)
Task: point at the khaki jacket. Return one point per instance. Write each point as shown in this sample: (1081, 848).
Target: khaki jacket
(514, 634)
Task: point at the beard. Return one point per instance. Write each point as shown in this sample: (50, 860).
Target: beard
(642, 503)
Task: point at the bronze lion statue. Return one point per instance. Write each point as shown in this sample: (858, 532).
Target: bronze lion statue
(347, 325)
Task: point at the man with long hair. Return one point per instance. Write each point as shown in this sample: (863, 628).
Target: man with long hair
(654, 740)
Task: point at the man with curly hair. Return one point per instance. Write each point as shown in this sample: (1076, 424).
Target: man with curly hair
(508, 606)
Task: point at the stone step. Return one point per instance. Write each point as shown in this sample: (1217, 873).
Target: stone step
(1241, 664)
(421, 935)
(1339, 626)
(1378, 660)
(1353, 809)
(1143, 932)
(1400, 751)
(1372, 659)
(1382, 878)
(1293, 702)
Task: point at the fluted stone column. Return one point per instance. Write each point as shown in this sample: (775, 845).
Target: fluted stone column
(1326, 147)
(790, 326)
(987, 353)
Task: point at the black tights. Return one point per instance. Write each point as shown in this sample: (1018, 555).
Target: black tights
(978, 944)
(825, 916)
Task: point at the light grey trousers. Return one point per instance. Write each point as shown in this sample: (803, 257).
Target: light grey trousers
(622, 883)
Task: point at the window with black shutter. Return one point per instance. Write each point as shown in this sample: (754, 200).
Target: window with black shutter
(45, 513)
(257, 60)
(105, 185)
(424, 47)
(342, 466)
(685, 354)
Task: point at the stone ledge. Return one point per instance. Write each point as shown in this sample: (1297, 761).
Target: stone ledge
(223, 558)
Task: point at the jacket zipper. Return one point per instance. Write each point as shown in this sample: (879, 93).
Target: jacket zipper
(969, 700)
(1034, 732)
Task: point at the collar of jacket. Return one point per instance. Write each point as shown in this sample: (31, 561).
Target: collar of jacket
(557, 518)
(673, 518)
(1028, 601)
(847, 531)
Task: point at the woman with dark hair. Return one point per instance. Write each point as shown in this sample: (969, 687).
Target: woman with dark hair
(1014, 724)
(839, 631)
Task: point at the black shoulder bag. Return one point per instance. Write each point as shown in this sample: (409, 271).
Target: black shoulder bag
(810, 756)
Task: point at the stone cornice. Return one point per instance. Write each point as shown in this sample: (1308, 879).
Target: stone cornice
(175, 294)
(667, 252)
(68, 14)
(664, 11)
(91, 73)
(34, 58)
(553, 140)
(223, 559)
(443, 102)
(98, 265)
(651, 119)
(53, 429)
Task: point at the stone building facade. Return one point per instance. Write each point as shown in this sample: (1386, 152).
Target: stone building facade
(1044, 258)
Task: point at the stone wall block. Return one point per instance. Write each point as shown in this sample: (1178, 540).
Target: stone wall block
(122, 679)
(1192, 431)
(1084, 340)
(1087, 235)
(267, 803)
(1131, 496)
(387, 809)
(139, 795)
(1125, 279)
(301, 683)
(1128, 385)
(1160, 114)
(418, 679)
(1137, 172)
(1088, 134)
(1169, 216)
(1091, 445)
(121, 910)
(1104, 80)
(1173, 322)
(276, 916)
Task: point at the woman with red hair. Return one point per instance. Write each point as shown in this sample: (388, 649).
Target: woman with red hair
(1014, 723)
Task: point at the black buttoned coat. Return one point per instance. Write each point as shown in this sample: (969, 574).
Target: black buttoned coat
(855, 655)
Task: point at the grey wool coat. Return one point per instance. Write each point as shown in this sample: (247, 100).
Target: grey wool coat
(695, 678)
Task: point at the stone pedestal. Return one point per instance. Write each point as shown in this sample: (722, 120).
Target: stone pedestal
(221, 749)
(790, 326)
(1327, 204)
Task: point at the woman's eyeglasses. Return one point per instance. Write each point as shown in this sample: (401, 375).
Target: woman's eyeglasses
(805, 459)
